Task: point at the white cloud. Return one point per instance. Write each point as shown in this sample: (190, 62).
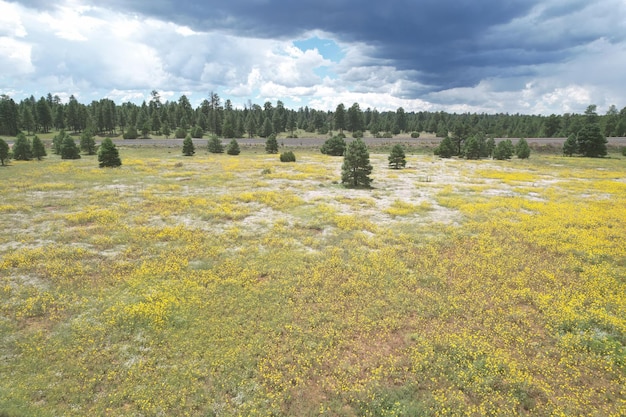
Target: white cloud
(15, 57)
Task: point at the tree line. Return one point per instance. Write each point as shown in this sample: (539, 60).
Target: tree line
(216, 117)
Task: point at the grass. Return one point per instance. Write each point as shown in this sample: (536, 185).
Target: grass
(203, 286)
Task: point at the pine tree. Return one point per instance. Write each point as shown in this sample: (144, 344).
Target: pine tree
(570, 147)
(108, 155)
(4, 151)
(522, 150)
(471, 148)
(335, 146)
(504, 150)
(266, 128)
(57, 140)
(188, 148)
(215, 145)
(22, 150)
(356, 166)
(87, 142)
(446, 148)
(591, 141)
(39, 151)
(69, 150)
(233, 148)
(271, 144)
(397, 158)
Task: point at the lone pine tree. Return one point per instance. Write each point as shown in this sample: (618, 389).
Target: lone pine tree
(108, 155)
(188, 148)
(356, 166)
(397, 157)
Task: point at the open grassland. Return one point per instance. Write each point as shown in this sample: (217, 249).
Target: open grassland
(219, 285)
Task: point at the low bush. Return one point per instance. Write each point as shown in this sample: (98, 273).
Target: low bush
(287, 157)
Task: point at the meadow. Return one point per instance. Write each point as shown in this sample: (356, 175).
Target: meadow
(219, 285)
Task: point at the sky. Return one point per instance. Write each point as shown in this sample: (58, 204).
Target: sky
(492, 56)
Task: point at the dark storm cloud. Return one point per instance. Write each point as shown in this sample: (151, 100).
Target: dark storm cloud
(448, 43)
(527, 55)
(441, 40)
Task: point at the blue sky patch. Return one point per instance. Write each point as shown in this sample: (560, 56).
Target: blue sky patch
(326, 47)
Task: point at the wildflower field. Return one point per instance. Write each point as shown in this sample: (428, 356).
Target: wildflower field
(242, 286)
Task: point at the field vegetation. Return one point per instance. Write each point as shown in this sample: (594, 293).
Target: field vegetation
(238, 285)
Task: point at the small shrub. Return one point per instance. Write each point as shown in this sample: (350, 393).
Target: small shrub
(180, 133)
(266, 171)
(196, 132)
(287, 157)
(357, 135)
(415, 135)
(131, 133)
(624, 151)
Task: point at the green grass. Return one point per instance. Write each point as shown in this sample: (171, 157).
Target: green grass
(201, 286)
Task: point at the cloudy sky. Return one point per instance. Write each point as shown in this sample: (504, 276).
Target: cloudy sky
(526, 56)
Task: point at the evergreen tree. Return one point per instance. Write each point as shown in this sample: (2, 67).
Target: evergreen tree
(39, 151)
(44, 115)
(504, 150)
(69, 150)
(335, 146)
(28, 121)
(57, 140)
(215, 145)
(271, 144)
(108, 155)
(397, 158)
(471, 148)
(490, 145)
(188, 148)
(165, 129)
(87, 142)
(266, 129)
(401, 121)
(340, 117)
(356, 166)
(446, 148)
(22, 150)
(591, 141)
(250, 125)
(570, 147)
(228, 128)
(522, 150)
(233, 148)
(4, 151)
